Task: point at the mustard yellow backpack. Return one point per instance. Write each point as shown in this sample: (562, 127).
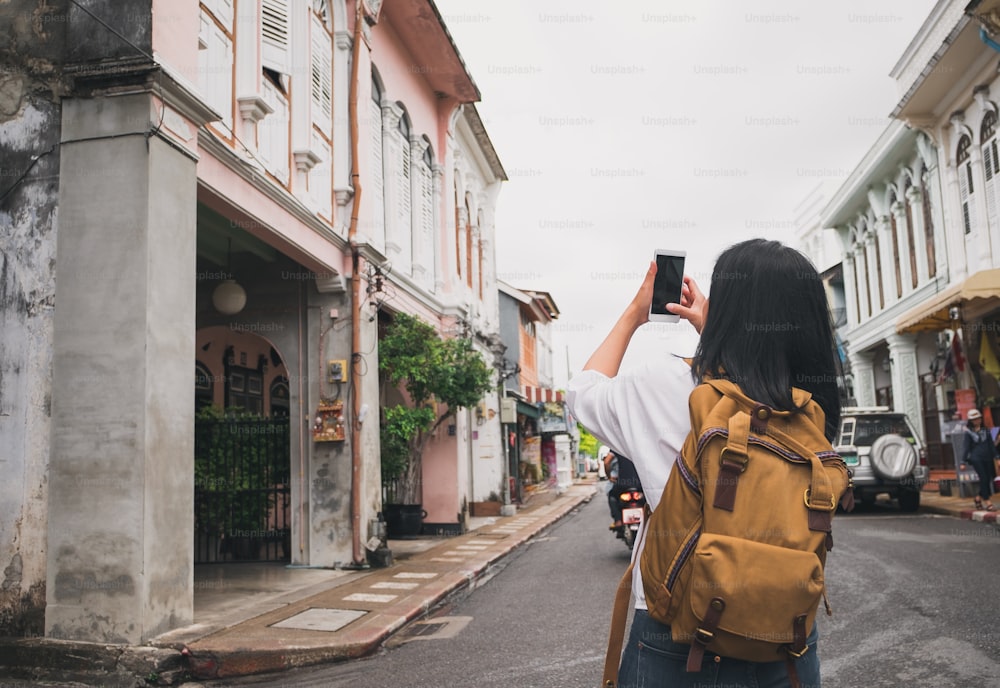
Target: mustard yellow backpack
(734, 553)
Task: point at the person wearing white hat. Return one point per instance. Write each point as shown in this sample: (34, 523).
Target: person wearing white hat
(980, 452)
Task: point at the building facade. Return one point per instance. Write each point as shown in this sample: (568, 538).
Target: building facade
(920, 228)
(248, 188)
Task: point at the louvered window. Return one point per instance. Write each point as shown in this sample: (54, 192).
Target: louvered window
(320, 179)
(991, 165)
(911, 240)
(403, 179)
(322, 67)
(966, 189)
(215, 67)
(272, 132)
(275, 32)
(377, 175)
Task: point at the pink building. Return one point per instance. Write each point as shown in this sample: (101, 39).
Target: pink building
(247, 187)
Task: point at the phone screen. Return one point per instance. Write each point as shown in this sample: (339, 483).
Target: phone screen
(667, 284)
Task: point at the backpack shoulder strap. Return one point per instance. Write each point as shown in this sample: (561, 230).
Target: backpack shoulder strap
(616, 636)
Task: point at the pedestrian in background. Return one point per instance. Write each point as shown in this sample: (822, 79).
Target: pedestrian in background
(980, 452)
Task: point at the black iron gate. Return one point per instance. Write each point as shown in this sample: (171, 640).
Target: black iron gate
(242, 497)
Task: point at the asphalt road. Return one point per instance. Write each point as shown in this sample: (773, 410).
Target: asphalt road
(915, 597)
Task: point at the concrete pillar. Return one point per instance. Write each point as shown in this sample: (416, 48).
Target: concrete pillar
(898, 211)
(958, 267)
(883, 230)
(862, 268)
(850, 289)
(906, 378)
(915, 200)
(864, 377)
(121, 479)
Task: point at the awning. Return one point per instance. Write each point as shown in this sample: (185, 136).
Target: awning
(528, 409)
(932, 315)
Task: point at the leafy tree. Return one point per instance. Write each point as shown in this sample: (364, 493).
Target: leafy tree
(588, 443)
(449, 372)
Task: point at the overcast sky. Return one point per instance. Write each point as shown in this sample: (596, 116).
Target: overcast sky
(626, 127)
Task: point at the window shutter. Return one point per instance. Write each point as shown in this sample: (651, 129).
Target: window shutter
(991, 202)
(275, 32)
(322, 68)
(272, 133)
(377, 175)
(215, 68)
(320, 179)
(403, 186)
(965, 190)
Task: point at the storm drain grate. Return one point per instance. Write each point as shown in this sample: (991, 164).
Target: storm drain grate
(426, 629)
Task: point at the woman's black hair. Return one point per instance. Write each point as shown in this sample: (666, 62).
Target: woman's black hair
(768, 328)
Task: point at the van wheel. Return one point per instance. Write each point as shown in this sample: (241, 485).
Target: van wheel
(909, 501)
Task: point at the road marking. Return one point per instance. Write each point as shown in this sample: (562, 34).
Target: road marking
(369, 597)
(393, 585)
(415, 575)
(321, 619)
(454, 560)
(475, 547)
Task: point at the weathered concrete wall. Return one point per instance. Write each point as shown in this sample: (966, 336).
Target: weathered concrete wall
(30, 62)
(120, 481)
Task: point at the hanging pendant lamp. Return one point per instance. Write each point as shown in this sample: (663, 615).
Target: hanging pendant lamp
(229, 297)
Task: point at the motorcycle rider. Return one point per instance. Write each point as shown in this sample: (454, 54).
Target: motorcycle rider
(623, 478)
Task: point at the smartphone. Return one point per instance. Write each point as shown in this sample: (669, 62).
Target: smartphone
(667, 284)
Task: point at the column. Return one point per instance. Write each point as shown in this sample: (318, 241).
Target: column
(978, 243)
(953, 229)
(898, 211)
(883, 231)
(862, 270)
(850, 289)
(121, 483)
(875, 281)
(864, 377)
(915, 200)
(906, 378)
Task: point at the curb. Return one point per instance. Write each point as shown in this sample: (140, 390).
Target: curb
(365, 638)
(131, 666)
(979, 516)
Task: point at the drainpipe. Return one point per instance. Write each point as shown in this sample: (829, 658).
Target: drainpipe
(985, 38)
(355, 296)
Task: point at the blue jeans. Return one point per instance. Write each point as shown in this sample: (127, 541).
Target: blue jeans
(652, 660)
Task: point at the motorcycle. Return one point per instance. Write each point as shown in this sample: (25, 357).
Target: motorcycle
(633, 503)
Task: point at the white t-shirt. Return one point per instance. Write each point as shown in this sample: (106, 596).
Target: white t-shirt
(643, 415)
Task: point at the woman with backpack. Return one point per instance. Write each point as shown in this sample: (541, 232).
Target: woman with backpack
(768, 330)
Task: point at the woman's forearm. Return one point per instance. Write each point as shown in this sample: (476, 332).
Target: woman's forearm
(607, 358)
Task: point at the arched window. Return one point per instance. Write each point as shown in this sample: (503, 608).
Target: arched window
(402, 180)
(423, 216)
(204, 387)
(966, 189)
(991, 165)
(468, 241)
(278, 396)
(377, 175)
(925, 202)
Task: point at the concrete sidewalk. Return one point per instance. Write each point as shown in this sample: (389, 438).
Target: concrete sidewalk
(359, 612)
(263, 618)
(959, 507)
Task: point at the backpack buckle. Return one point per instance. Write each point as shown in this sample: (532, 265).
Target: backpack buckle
(814, 507)
(793, 653)
(739, 460)
(703, 636)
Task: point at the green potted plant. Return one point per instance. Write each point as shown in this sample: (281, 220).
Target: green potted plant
(440, 376)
